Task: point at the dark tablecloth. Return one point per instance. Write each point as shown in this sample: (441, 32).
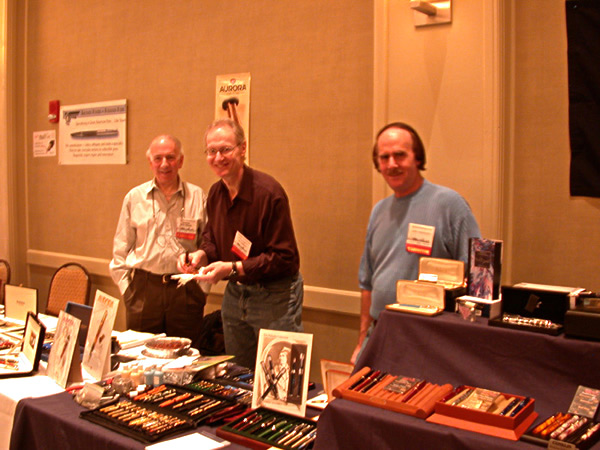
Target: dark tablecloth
(53, 422)
(447, 349)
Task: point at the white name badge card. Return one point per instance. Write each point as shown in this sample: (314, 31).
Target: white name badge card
(241, 245)
(420, 239)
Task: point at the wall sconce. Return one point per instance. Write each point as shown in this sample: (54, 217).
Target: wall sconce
(431, 12)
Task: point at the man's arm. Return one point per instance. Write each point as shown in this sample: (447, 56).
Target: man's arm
(365, 321)
(123, 242)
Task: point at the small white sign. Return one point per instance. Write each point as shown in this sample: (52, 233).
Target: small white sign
(44, 143)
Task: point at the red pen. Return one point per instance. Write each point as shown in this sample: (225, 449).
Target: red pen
(413, 390)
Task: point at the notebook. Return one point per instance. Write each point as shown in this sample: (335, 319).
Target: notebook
(83, 313)
(18, 301)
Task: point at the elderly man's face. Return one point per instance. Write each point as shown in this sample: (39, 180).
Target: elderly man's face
(165, 161)
(397, 161)
(224, 155)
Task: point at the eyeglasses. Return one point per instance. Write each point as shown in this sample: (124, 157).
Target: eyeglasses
(224, 151)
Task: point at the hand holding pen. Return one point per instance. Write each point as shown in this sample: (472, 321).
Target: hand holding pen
(189, 262)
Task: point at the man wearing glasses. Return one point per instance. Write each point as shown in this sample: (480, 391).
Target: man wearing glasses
(160, 220)
(421, 218)
(249, 240)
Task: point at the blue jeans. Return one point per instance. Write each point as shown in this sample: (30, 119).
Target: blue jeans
(246, 309)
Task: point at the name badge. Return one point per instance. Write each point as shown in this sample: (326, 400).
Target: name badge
(241, 245)
(420, 239)
(186, 228)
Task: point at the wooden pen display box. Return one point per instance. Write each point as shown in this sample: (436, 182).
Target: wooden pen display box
(264, 428)
(448, 273)
(405, 395)
(475, 417)
(418, 297)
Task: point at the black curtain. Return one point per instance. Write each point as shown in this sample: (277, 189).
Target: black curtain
(583, 35)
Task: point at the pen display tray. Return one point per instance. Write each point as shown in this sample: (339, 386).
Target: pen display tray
(417, 400)
(188, 403)
(224, 391)
(548, 433)
(264, 428)
(498, 322)
(139, 422)
(484, 422)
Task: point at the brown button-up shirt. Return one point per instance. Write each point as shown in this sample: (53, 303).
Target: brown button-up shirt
(260, 212)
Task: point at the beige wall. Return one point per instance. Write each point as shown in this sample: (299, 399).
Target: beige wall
(310, 125)
(487, 93)
(554, 236)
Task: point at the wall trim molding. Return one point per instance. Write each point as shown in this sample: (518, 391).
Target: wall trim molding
(315, 297)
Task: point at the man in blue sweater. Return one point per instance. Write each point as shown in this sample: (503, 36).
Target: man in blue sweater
(420, 219)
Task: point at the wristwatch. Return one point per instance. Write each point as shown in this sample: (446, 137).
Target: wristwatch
(234, 270)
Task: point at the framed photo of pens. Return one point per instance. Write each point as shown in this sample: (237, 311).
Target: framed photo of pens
(96, 354)
(282, 371)
(64, 362)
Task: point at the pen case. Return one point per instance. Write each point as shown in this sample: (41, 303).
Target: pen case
(448, 273)
(418, 297)
(481, 421)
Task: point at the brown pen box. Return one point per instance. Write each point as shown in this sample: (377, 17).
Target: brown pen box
(485, 422)
(419, 405)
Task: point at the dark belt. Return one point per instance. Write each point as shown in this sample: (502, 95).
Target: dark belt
(163, 278)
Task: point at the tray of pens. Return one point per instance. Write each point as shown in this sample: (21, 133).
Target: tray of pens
(143, 423)
(263, 428)
(564, 430)
(165, 405)
(485, 411)
(189, 402)
(223, 390)
(406, 395)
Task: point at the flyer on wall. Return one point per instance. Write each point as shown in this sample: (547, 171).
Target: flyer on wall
(233, 102)
(93, 133)
(44, 143)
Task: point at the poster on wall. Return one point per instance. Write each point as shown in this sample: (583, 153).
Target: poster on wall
(583, 38)
(233, 102)
(44, 143)
(93, 133)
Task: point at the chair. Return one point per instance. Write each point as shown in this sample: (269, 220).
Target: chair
(70, 283)
(4, 278)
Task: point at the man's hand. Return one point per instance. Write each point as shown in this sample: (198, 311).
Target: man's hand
(214, 272)
(190, 262)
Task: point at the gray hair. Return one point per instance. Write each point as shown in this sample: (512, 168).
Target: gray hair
(237, 129)
(176, 143)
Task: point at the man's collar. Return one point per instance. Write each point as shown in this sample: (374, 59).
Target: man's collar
(245, 191)
(152, 185)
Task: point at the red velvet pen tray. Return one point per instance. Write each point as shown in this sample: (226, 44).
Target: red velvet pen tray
(420, 405)
(484, 422)
(249, 437)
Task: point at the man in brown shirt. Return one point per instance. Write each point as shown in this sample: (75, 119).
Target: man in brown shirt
(249, 239)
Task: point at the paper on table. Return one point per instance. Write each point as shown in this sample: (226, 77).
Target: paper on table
(202, 441)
